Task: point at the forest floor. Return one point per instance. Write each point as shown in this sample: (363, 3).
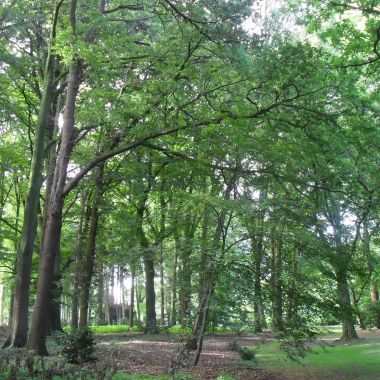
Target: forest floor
(138, 353)
(155, 354)
(133, 353)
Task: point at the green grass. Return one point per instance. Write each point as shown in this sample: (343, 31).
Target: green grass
(355, 361)
(110, 329)
(178, 330)
(114, 329)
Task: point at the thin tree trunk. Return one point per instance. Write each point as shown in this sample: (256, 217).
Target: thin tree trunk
(162, 287)
(291, 315)
(210, 274)
(258, 304)
(78, 264)
(107, 302)
(173, 318)
(88, 269)
(374, 289)
(132, 300)
(150, 295)
(375, 303)
(278, 324)
(359, 315)
(138, 301)
(100, 297)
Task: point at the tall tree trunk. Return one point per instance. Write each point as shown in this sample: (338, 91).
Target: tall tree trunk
(257, 303)
(209, 275)
(370, 265)
(111, 297)
(344, 302)
(162, 287)
(19, 326)
(292, 306)
(54, 312)
(278, 324)
(100, 318)
(54, 309)
(375, 304)
(173, 317)
(51, 243)
(185, 283)
(138, 301)
(200, 321)
(132, 300)
(148, 258)
(88, 268)
(150, 295)
(78, 262)
(359, 315)
(161, 243)
(107, 302)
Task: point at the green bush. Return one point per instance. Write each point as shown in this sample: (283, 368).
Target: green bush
(136, 329)
(245, 353)
(248, 353)
(178, 330)
(115, 329)
(295, 341)
(77, 346)
(110, 329)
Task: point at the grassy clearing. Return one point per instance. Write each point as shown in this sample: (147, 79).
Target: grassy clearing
(359, 360)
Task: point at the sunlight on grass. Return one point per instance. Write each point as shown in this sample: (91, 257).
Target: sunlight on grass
(347, 360)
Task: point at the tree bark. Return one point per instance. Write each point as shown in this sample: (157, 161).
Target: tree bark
(88, 268)
(209, 275)
(138, 301)
(148, 258)
(51, 243)
(100, 317)
(278, 324)
(54, 310)
(344, 302)
(370, 265)
(291, 314)
(78, 262)
(257, 304)
(173, 316)
(132, 300)
(19, 327)
(150, 295)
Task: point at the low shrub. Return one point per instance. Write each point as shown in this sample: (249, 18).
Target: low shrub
(136, 329)
(115, 329)
(77, 346)
(248, 353)
(245, 353)
(178, 330)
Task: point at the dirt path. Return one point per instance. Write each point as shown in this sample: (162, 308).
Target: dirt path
(155, 354)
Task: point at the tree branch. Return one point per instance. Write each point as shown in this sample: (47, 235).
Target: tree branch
(125, 148)
(131, 7)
